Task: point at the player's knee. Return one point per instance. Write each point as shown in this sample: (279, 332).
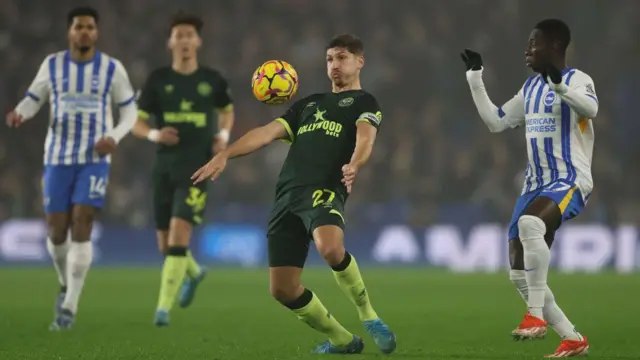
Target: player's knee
(284, 292)
(332, 252)
(179, 232)
(531, 227)
(57, 236)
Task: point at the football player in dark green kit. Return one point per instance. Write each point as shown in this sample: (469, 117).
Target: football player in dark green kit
(185, 99)
(332, 136)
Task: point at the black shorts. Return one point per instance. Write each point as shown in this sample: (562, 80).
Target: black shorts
(175, 196)
(293, 219)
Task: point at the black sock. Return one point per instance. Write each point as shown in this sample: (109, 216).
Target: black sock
(344, 263)
(177, 251)
(301, 301)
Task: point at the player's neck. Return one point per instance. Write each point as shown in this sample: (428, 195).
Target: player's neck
(352, 86)
(82, 56)
(185, 67)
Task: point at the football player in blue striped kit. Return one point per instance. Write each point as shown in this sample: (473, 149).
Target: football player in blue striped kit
(80, 83)
(556, 106)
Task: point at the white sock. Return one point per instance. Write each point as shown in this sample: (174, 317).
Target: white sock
(519, 279)
(78, 263)
(58, 254)
(536, 261)
(551, 312)
(556, 318)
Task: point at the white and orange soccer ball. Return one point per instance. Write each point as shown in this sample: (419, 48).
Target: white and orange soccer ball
(274, 82)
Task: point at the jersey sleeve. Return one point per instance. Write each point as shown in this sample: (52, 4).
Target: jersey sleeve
(121, 90)
(291, 119)
(370, 111)
(512, 112)
(222, 100)
(40, 86)
(148, 100)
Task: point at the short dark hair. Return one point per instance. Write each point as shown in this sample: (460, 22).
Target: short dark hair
(82, 11)
(556, 30)
(183, 18)
(350, 42)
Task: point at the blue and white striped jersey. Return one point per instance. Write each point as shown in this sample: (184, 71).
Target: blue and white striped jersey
(80, 96)
(559, 138)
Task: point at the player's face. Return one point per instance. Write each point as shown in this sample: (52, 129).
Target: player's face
(538, 53)
(83, 33)
(343, 66)
(184, 41)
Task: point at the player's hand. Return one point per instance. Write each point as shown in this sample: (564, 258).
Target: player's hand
(105, 146)
(168, 136)
(471, 59)
(554, 79)
(14, 119)
(219, 144)
(349, 173)
(554, 75)
(211, 170)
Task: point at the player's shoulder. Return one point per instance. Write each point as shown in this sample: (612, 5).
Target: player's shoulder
(309, 100)
(211, 73)
(364, 98)
(531, 79)
(576, 76)
(160, 72)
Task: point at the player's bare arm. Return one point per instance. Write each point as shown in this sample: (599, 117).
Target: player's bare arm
(365, 138)
(226, 119)
(250, 142)
(497, 119)
(168, 135)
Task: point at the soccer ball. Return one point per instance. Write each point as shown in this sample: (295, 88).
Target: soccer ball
(274, 82)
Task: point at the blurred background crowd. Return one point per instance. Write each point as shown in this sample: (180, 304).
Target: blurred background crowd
(434, 159)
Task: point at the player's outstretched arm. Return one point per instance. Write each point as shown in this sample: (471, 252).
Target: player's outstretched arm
(36, 96)
(497, 119)
(580, 94)
(250, 142)
(256, 139)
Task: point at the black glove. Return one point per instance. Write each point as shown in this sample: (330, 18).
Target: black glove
(471, 59)
(554, 74)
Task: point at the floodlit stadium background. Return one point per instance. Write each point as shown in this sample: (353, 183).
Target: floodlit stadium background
(439, 188)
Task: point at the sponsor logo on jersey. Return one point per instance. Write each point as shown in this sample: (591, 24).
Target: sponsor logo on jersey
(589, 89)
(168, 89)
(541, 125)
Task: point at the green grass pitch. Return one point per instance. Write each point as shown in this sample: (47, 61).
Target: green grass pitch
(435, 314)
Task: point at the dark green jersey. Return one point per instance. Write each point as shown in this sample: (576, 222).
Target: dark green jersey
(187, 103)
(322, 131)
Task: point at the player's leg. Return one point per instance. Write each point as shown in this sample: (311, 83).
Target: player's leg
(288, 245)
(328, 235)
(89, 190)
(541, 218)
(57, 186)
(187, 209)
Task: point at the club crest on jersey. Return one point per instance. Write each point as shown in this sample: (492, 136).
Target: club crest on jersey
(204, 89)
(345, 102)
(550, 98)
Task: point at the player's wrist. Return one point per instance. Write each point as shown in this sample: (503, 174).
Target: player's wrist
(224, 135)
(153, 135)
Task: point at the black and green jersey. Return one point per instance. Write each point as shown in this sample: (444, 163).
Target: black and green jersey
(322, 132)
(188, 103)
